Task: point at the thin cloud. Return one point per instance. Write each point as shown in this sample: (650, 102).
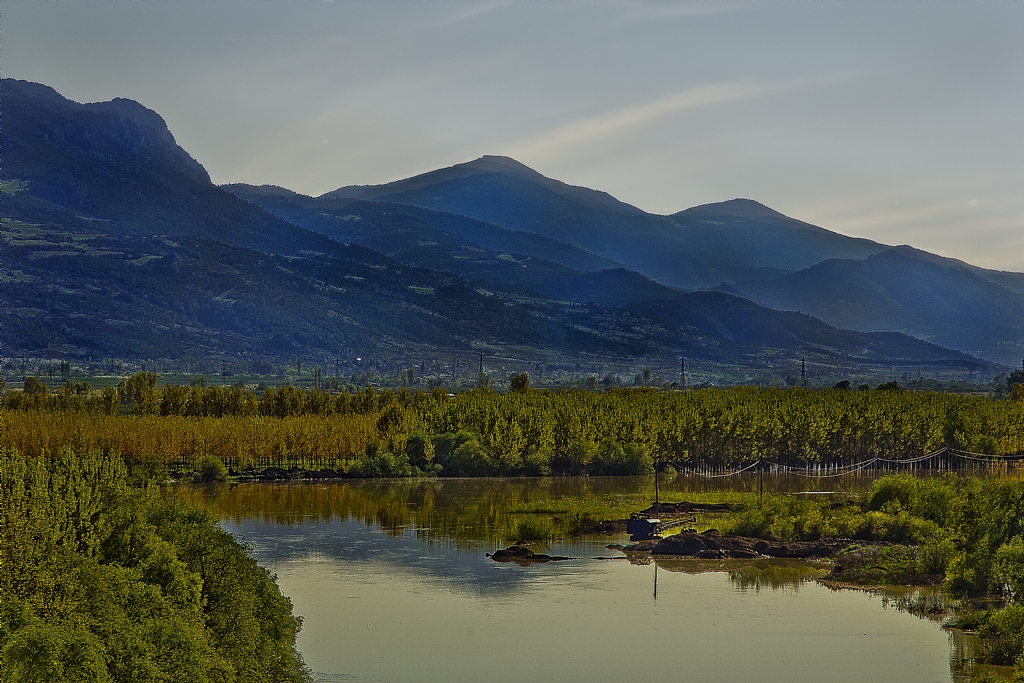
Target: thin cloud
(591, 129)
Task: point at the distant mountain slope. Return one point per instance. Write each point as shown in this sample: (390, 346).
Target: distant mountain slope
(764, 238)
(71, 287)
(906, 290)
(501, 191)
(738, 246)
(116, 244)
(431, 239)
(700, 247)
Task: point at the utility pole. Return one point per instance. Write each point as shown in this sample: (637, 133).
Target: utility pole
(682, 373)
(657, 496)
(760, 481)
(481, 363)
(803, 371)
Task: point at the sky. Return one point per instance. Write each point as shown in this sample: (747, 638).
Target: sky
(898, 121)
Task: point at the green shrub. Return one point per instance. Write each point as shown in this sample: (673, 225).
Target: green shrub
(211, 469)
(537, 463)
(533, 529)
(575, 458)
(470, 460)
(613, 459)
(420, 450)
(446, 444)
(1008, 568)
(379, 463)
(1002, 635)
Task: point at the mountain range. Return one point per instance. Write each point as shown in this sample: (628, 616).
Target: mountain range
(738, 246)
(116, 244)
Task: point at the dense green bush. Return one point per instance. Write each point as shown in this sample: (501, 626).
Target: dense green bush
(211, 469)
(103, 582)
(1002, 634)
(377, 462)
(613, 459)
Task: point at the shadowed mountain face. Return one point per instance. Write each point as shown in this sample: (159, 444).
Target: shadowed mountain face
(740, 247)
(431, 239)
(902, 289)
(116, 244)
(759, 237)
(117, 162)
(700, 247)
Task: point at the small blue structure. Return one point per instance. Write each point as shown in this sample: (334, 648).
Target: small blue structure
(642, 529)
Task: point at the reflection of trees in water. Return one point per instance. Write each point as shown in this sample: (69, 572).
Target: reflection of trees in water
(495, 510)
(743, 574)
(930, 604)
(774, 574)
(470, 509)
(963, 664)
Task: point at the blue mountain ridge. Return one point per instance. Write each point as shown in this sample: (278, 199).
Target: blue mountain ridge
(116, 244)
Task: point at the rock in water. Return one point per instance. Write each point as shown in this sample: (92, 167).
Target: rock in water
(521, 554)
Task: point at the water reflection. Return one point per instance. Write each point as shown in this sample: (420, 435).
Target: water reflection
(495, 510)
(393, 584)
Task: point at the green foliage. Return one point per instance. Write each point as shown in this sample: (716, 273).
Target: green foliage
(469, 459)
(899, 508)
(420, 450)
(1015, 378)
(103, 582)
(613, 459)
(708, 427)
(899, 565)
(1008, 567)
(519, 383)
(575, 458)
(929, 499)
(211, 469)
(533, 529)
(377, 463)
(1002, 634)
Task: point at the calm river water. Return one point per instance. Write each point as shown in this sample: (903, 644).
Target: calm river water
(393, 585)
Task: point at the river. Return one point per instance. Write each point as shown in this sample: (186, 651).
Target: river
(393, 585)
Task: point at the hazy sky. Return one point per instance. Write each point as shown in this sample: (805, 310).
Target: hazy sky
(898, 121)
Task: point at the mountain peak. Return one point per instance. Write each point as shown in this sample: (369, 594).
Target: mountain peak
(96, 135)
(739, 208)
(490, 163)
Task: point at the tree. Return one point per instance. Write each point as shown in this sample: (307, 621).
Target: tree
(483, 381)
(508, 443)
(140, 391)
(647, 375)
(519, 383)
(32, 386)
(1016, 377)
